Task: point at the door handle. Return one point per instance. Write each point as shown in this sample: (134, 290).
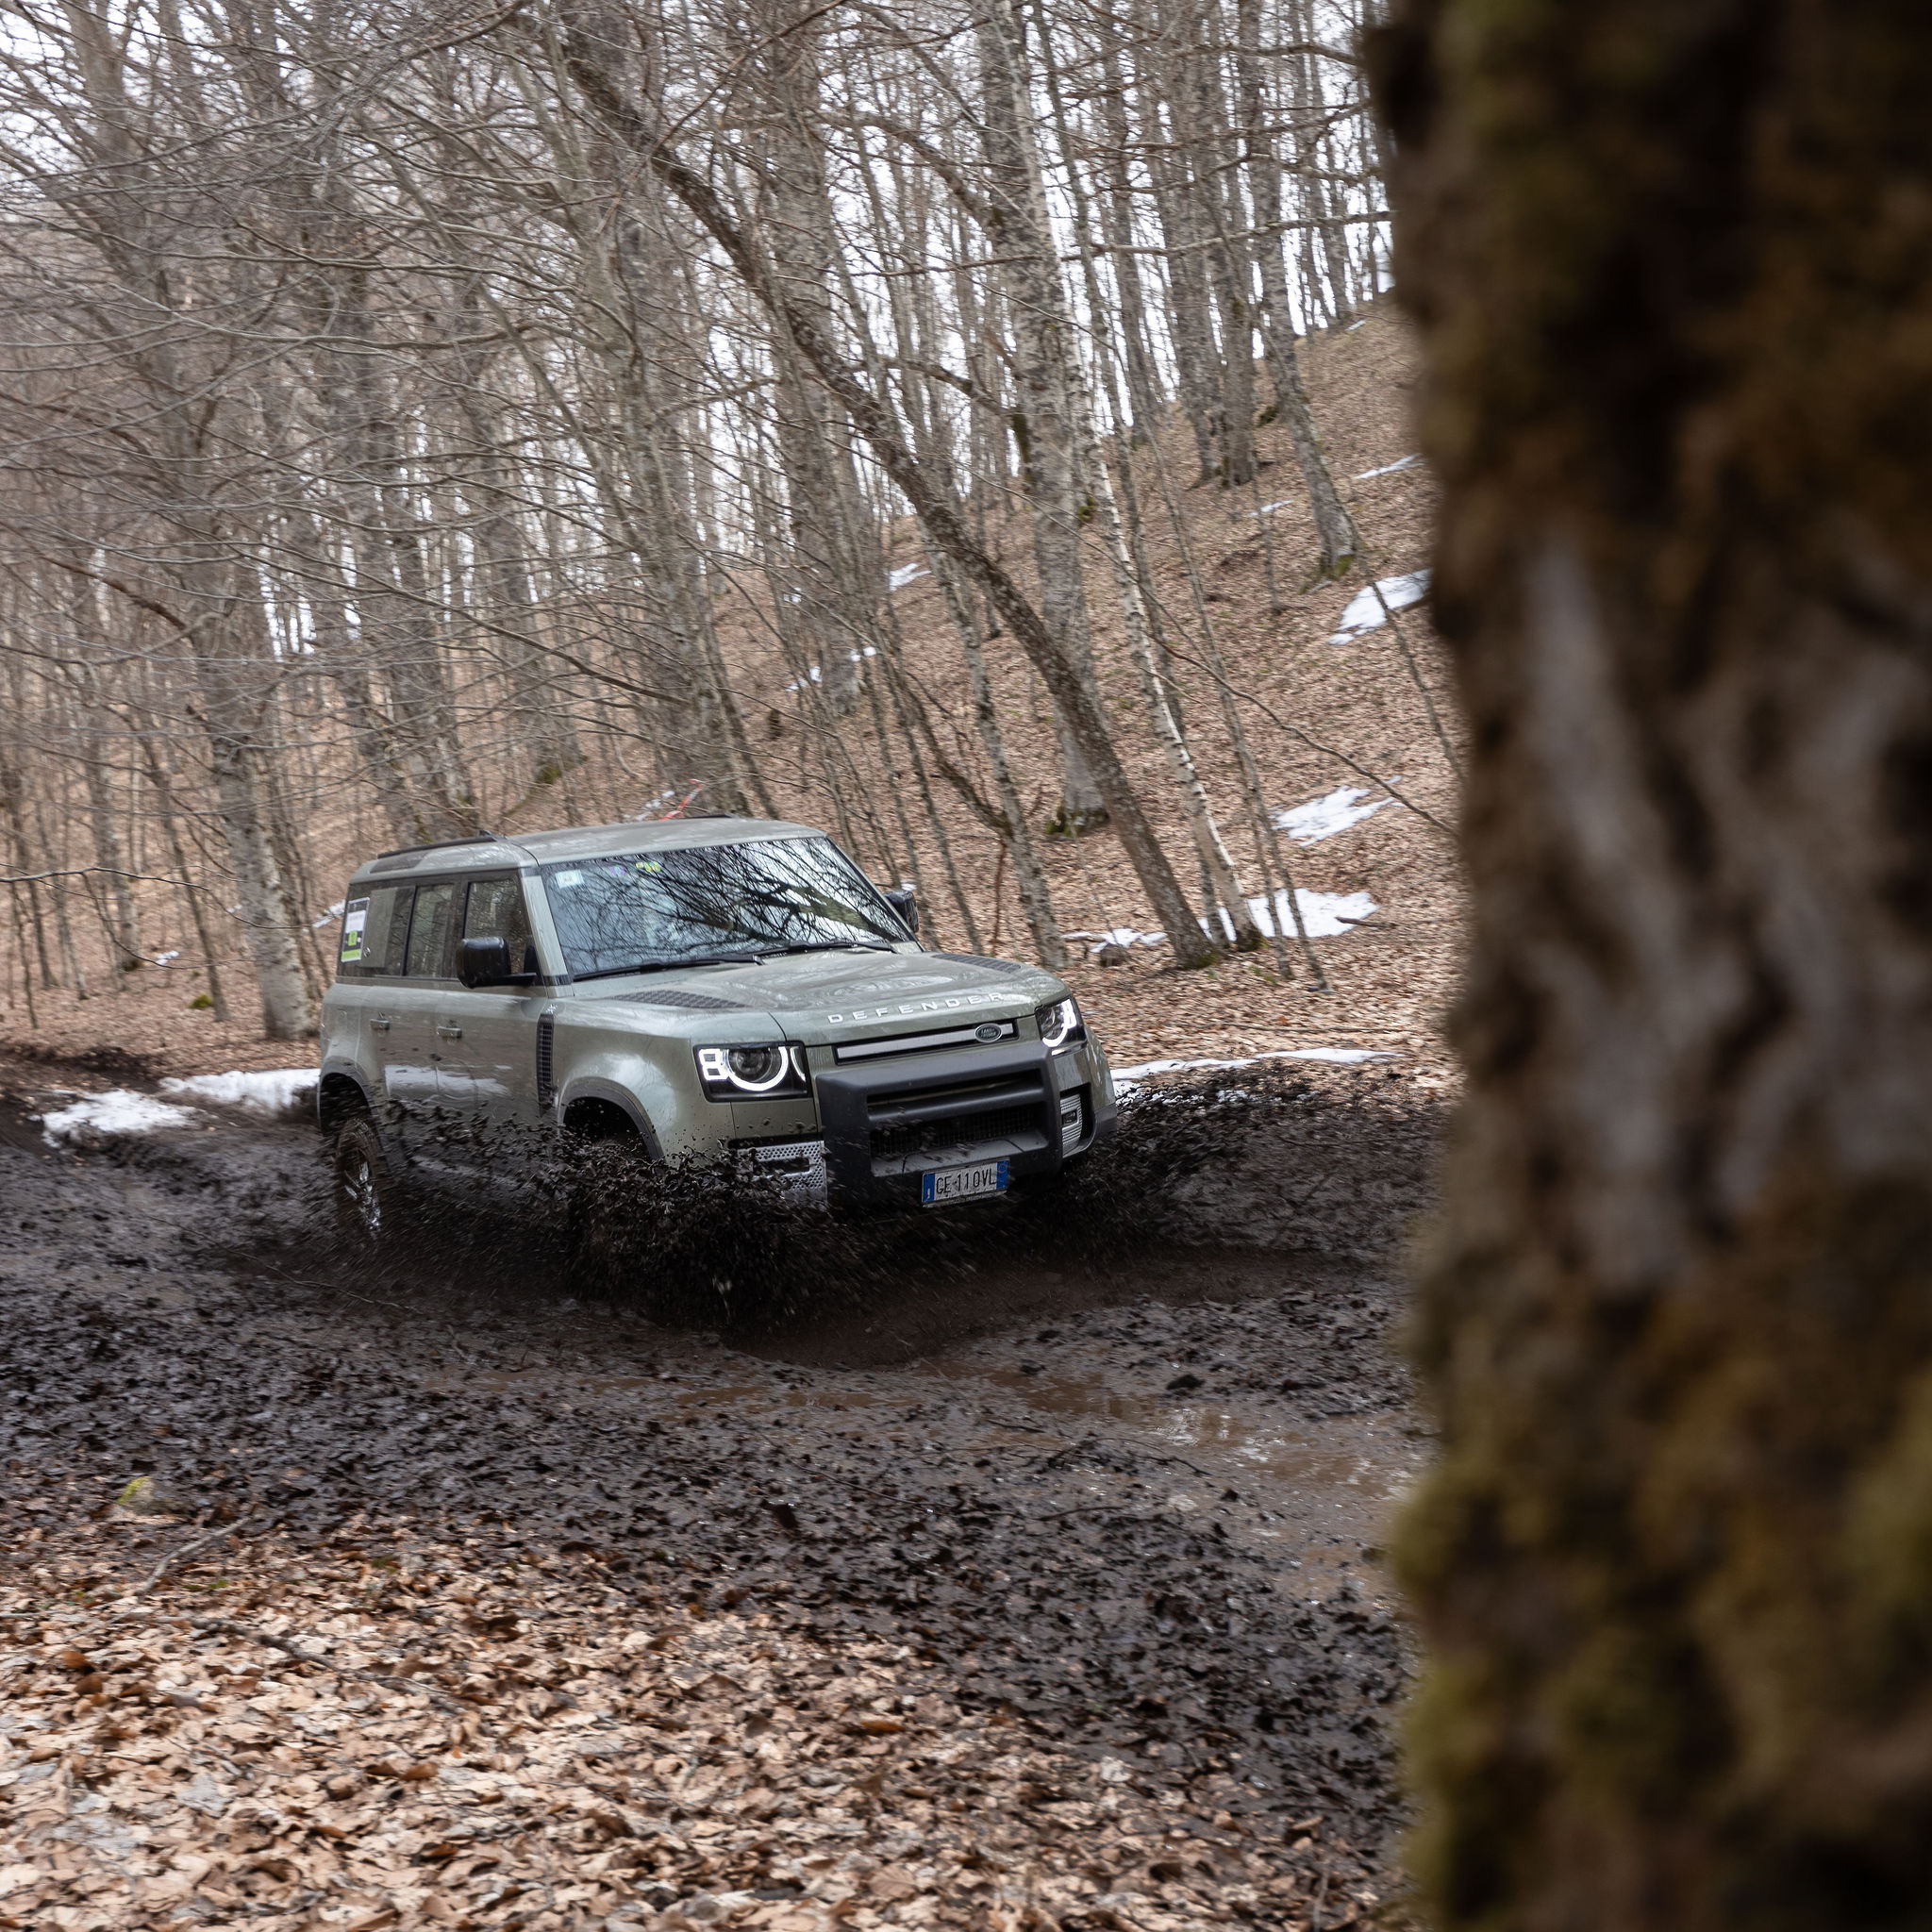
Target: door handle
(379, 1023)
(446, 1032)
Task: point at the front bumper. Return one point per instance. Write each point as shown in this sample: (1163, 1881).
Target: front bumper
(883, 1126)
(886, 1126)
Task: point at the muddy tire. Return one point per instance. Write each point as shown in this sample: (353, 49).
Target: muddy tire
(592, 1268)
(628, 1239)
(605, 1249)
(365, 1196)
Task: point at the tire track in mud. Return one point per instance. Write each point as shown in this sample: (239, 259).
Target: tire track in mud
(1021, 1462)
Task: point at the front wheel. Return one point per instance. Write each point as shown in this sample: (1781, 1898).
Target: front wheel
(663, 1240)
(364, 1196)
(602, 1234)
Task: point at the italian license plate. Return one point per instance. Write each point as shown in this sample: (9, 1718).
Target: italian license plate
(951, 1184)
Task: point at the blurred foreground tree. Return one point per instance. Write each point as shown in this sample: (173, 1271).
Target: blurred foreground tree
(1673, 263)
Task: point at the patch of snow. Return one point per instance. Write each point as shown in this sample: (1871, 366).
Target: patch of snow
(335, 911)
(1322, 818)
(1280, 503)
(118, 1111)
(1120, 936)
(1389, 469)
(167, 958)
(1366, 611)
(261, 1093)
(1354, 325)
(1335, 1055)
(906, 574)
(1323, 914)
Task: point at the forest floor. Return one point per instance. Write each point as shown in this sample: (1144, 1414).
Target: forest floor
(1034, 1582)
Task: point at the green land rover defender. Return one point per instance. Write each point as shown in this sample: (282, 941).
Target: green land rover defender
(717, 990)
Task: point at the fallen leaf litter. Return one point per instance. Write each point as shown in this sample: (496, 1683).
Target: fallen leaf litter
(422, 1732)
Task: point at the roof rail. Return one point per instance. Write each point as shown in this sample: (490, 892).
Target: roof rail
(441, 845)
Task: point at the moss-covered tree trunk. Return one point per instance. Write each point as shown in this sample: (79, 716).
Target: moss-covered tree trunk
(1672, 264)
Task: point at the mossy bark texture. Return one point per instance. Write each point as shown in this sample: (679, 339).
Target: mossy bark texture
(1672, 264)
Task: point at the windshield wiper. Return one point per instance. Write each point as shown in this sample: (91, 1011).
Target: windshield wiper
(672, 965)
(829, 946)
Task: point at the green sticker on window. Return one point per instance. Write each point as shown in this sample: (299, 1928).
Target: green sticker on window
(355, 918)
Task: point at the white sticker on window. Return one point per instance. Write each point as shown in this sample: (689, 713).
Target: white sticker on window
(353, 920)
(566, 879)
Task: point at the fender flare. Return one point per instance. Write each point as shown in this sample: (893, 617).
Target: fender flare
(345, 1070)
(592, 1087)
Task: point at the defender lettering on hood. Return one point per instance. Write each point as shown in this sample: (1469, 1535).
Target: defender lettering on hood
(860, 1014)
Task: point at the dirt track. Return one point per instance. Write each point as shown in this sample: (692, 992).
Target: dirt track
(1128, 1505)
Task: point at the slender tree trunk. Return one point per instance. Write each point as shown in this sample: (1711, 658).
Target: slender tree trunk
(26, 977)
(1117, 208)
(1045, 367)
(164, 799)
(1201, 122)
(1036, 896)
(1334, 526)
(1188, 304)
(103, 825)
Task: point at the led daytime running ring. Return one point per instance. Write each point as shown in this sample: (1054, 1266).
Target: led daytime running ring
(788, 1075)
(781, 1069)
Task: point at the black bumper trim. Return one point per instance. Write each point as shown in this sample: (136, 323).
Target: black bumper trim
(986, 1079)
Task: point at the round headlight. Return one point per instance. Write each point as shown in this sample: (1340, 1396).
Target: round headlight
(1057, 1022)
(757, 1068)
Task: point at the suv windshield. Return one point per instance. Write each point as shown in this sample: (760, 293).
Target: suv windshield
(688, 904)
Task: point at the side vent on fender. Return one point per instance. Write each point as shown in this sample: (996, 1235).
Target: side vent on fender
(546, 1041)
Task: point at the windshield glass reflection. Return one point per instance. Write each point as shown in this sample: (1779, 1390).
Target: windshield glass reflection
(687, 903)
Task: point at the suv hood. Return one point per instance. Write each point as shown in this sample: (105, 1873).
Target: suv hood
(817, 996)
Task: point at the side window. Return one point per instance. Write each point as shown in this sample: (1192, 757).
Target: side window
(429, 932)
(495, 911)
(373, 932)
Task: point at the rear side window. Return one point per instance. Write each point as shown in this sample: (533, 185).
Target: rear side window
(429, 932)
(495, 911)
(373, 929)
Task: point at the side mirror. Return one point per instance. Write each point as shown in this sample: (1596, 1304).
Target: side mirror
(486, 963)
(906, 904)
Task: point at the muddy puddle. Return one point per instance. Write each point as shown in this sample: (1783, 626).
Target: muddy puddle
(1340, 1476)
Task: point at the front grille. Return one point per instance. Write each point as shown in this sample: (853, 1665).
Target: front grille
(910, 1130)
(956, 1130)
